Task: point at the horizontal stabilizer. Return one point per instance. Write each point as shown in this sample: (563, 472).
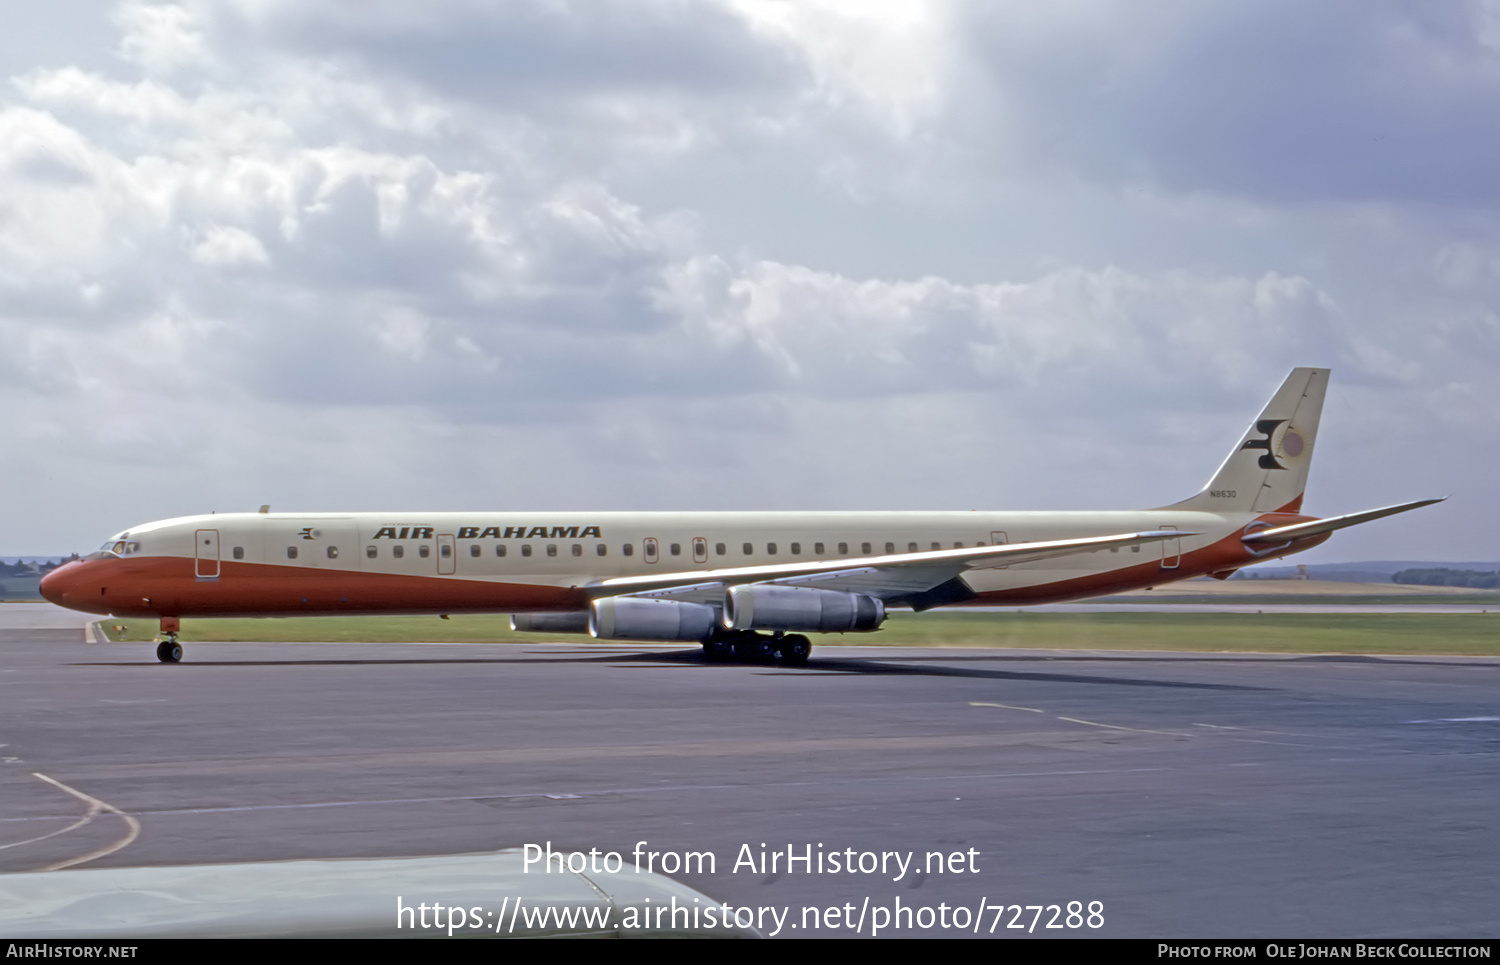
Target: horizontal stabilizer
(1282, 534)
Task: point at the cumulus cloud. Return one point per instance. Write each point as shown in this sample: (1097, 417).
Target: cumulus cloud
(478, 254)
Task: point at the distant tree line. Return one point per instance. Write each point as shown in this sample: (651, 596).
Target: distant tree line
(34, 568)
(1442, 576)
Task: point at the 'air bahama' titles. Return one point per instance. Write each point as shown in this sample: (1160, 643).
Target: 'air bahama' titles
(493, 532)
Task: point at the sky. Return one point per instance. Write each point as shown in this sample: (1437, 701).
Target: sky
(742, 254)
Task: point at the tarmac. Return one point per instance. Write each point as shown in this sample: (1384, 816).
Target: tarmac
(884, 791)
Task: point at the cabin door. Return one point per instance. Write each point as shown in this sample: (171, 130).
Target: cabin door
(1171, 552)
(206, 553)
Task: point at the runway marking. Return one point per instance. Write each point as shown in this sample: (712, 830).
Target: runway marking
(1245, 730)
(661, 789)
(133, 827)
(1091, 723)
(1137, 730)
(76, 824)
(1451, 720)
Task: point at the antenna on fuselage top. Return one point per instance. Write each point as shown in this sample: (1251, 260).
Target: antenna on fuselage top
(266, 508)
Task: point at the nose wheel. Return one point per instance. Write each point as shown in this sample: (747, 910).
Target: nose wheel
(169, 650)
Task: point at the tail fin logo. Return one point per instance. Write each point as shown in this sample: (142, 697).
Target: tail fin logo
(1267, 428)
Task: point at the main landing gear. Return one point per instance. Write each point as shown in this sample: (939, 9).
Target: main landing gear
(789, 649)
(169, 650)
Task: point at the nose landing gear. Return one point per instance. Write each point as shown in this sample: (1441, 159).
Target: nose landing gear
(169, 650)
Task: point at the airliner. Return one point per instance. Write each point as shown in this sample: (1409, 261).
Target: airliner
(750, 585)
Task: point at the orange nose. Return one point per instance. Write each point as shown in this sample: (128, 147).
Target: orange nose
(72, 585)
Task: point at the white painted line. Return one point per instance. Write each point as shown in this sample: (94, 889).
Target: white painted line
(95, 806)
(1452, 720)
(980, 703)
(1137, 730)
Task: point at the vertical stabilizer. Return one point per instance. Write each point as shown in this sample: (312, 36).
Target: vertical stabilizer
(1267, 471)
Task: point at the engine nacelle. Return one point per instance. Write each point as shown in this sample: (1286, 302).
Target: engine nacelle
(569, 621)
(634, 618)
(757, 607)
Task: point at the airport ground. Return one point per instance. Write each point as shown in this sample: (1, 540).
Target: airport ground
(1192, 794)
(1278, 629)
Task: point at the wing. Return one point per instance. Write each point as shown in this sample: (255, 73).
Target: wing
(916, 579)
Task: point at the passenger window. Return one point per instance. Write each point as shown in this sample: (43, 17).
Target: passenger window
(371, 552)
(398, 551)
(474, 549)
(628, 550)
(239, 552)
(771, 548)
(445, 550)
(577, 549)
(333, 552)
(720, 549)
(551, 549)
(291, 552)
(796, 549)
(749, 549)
(843, 549)
(525, 549)
(424, 551)
(499, 549)
(676, 549)
(936, 545)
(911, 547)
(601, 549)
(958, 546)
(817, 549)
(890, 547)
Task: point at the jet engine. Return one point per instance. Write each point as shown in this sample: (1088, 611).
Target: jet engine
(634, 618)
(759, 607)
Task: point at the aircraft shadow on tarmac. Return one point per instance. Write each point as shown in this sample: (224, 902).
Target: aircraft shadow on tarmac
(884, 666)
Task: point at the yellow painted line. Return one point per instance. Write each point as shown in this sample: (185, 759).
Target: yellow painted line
(95, 807)
(76, 824)
(980, 703)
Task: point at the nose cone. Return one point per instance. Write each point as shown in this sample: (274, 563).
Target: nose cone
(71, 585)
